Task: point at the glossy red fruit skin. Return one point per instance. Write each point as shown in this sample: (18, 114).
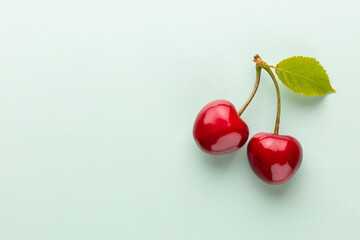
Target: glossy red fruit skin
(274, 158)
(218, 129)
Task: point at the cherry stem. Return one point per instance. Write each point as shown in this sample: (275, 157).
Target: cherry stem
(260, 63)
(277, 122)
(258, 73)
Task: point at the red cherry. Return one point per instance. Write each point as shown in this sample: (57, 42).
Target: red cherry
(218, 129)
(274, 158)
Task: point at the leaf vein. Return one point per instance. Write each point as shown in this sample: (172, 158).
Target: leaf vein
(301, 76)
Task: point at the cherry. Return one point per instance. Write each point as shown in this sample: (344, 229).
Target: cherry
(218, 129)
(274, 158)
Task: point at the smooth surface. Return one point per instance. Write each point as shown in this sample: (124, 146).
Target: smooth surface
(218, 129)
(98, 100)
(274, 158)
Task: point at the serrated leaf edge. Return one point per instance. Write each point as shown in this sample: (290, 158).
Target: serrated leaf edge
(331, 90)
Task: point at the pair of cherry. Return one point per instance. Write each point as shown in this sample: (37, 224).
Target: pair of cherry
(218, 129)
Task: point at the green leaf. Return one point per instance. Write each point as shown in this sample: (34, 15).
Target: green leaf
(304, 75)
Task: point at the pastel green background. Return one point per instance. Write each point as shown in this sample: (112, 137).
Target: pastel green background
(97, 103)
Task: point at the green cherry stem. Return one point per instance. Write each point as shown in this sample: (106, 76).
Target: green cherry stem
(258, 73)
(277, 123)
(260, 63)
